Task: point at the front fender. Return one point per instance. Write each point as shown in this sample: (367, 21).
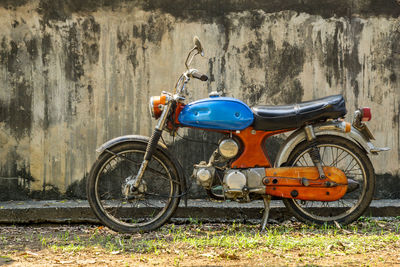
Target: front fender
(337, 128)
(145, 139)
(126, 138)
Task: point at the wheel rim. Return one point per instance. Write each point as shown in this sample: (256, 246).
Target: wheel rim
(342, 158)
(136, 212)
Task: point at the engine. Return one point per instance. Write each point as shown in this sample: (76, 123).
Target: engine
(204, 172)
(239, 183)
(236, 183)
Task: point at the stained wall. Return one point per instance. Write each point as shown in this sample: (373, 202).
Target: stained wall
(74, 74)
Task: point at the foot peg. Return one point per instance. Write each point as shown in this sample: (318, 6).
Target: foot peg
(267, 202)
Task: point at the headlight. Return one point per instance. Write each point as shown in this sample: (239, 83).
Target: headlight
(156, 105)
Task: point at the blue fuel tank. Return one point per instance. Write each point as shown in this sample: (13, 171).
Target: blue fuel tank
(218, 113)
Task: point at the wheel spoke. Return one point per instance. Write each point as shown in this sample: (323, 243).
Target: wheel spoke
(162, 176)
(348, 165)
(323, 153)
(333, 158)
(338, 159)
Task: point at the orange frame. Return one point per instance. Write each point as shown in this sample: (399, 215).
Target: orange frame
(254, 152)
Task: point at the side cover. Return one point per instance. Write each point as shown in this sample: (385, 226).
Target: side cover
(219, 113)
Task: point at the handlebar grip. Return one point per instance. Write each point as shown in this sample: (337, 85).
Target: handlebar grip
(201, 76)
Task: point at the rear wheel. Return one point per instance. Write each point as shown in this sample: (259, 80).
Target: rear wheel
(138, 212)
(352, 160)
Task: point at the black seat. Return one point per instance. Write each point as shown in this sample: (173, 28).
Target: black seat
(269, 118)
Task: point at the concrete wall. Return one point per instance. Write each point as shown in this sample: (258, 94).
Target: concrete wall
(74, 74)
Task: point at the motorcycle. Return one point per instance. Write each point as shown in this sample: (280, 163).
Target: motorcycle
(322, 171)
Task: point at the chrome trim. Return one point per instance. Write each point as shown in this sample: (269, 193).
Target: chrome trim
(228, 148)
(151, 107)
(309, 132)
(161, 122)
(337, 128)
(357, 118)
(136, 182)
(379, 149)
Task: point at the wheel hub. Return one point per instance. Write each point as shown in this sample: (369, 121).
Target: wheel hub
(132, 192)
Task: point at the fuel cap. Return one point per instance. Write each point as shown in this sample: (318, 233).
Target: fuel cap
(214, 94)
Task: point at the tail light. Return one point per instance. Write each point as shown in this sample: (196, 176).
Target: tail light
(366, 114)
(360, 115)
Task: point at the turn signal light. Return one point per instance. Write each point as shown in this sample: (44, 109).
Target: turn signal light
(366, 114)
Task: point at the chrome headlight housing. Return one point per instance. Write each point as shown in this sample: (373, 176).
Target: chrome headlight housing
(151, 107)
(156, 104)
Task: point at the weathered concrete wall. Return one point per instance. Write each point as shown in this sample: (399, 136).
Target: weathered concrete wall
(74, 74)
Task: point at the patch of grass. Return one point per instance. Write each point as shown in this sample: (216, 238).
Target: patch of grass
(5, 260)
(3, 240)
(290, 241)
(69, 248)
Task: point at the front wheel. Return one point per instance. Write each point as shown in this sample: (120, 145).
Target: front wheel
(352, 160)
(142, 212)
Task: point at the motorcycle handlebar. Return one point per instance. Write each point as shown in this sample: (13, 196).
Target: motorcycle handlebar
(191, 73)
(198, 75)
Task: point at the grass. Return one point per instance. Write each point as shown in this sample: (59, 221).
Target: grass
(236, 237)
(290, 241)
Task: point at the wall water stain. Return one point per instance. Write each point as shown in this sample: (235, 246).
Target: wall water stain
(74, 74)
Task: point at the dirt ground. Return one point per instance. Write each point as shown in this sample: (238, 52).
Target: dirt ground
(364, 243)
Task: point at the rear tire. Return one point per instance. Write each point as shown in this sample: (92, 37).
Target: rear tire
(142, 213)
(354, 162)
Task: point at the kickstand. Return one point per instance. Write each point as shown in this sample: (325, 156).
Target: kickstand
(267, 201)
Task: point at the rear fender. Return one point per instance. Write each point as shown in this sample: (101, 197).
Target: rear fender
(336, 128)
(145, 139)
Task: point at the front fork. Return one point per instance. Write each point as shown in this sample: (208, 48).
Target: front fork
(133, 183)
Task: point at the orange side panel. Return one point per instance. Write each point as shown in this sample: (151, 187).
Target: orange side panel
(254, 154)
(286, 175)
(303, 183)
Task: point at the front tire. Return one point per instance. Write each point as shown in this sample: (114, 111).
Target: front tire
(137, 213)
(354, 162)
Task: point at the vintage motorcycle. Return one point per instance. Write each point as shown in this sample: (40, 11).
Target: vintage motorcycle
(322, 171)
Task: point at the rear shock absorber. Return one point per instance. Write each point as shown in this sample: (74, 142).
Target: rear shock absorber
(314, 151)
